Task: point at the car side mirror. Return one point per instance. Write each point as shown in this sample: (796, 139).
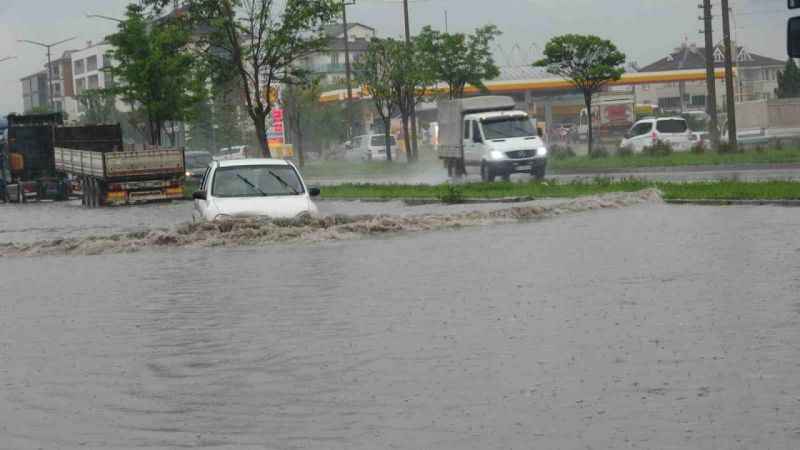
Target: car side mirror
(628, 135)
(793, 34)
(200, 195)
(314, 191)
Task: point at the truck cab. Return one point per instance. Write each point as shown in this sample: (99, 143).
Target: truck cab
(489, 132)
(502, 143)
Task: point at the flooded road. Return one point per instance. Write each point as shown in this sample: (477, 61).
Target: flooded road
(652, 326)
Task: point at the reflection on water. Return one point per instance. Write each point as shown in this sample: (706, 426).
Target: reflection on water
(652, 326)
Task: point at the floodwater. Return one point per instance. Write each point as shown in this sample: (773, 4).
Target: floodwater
(648, 326)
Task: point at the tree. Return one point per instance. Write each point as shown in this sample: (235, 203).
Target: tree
(588, 62)
(789, 81)
(99, 106)
(374, 71)
(459, 59)
(262, 42)
(300, 102)
(411, 81)
(155, 70)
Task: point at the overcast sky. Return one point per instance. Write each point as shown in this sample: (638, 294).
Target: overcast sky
(644, 29)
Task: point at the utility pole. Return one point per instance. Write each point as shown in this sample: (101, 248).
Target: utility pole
(413, 147)
(347, 69)
(49, 66)
(711, 79)
(729, 87)
(446, 28)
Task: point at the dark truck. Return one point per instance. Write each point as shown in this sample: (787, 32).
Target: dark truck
(45, 159)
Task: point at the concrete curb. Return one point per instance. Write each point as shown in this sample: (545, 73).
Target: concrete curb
(667, 169)
(716, 202)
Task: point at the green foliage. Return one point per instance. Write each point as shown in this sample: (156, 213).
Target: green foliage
(660, 148)
(450, 194)
(789, 81)
(260, 42)
(459, 59)
(375, 71)
(309, 122)
(625, 152)
(586, 61)
(561, 152)
(99, 107)
(155, 69)
(600, 152)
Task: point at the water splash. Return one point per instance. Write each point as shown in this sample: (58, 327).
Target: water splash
(245, 232)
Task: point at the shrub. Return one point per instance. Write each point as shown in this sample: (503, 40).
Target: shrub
(660, 148)
(726, 148)
(698, 148)
(561, 152)
(450, 194)
(625, 151)
(599, 152)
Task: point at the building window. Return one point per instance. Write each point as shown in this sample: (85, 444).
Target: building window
(56, 71)
(94, 82)
(698, 100)
(80, 85)
(56, 89)
(79, 67)
(91, 63)
(107, 61)
(669, 102)
(59, 107)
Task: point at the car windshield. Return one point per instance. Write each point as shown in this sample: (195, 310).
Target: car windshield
(381, 141)
(508, 127)
(256, 181)
(198, 161)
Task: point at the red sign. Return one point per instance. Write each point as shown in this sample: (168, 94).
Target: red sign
(276, 134)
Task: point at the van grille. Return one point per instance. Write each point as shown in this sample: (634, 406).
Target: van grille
(521, 154)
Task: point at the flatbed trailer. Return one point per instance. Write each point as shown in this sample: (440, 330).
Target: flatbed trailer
(115, 178)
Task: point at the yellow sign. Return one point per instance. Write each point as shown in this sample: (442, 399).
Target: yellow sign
(284, 151)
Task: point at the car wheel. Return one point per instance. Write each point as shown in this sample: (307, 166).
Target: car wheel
(538, 173)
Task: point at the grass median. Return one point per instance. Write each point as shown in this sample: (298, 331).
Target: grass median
(716, 190)
(676, 159)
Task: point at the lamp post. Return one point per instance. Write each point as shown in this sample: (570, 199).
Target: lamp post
(49, 65)
(347, 69)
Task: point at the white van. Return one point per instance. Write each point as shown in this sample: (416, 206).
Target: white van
(647, 132)
(372, 147)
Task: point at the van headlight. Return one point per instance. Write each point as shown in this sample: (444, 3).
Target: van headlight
(497, 155)
(541, 152)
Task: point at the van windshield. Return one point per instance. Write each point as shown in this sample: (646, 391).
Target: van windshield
(256, 181)
(508, 127)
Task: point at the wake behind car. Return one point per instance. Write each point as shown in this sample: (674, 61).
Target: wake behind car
(253, 188)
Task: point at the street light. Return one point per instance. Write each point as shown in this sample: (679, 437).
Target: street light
(49, 65)
(99, 16)
(7, 58)
(347, 69)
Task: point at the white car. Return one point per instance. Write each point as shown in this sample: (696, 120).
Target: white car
(253, 188)
(672, 130)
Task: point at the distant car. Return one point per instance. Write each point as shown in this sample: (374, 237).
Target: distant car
(196, 163)
(372, 147)
(647, 132)
(237, 152)
(253, 188)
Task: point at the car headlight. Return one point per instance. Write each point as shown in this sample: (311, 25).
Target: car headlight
(188, 174)
(541, 152)
(220, 217)
(496, 154)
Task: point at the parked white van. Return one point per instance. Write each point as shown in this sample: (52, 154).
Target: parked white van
(672, 130)
(237, 152)
(372, 147)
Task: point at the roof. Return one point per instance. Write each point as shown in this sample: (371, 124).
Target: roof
(335, 29)
(252, 162)
(494, 114)
(517, 73)
(689, 57)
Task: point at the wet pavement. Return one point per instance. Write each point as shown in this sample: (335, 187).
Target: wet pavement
(652, 326)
